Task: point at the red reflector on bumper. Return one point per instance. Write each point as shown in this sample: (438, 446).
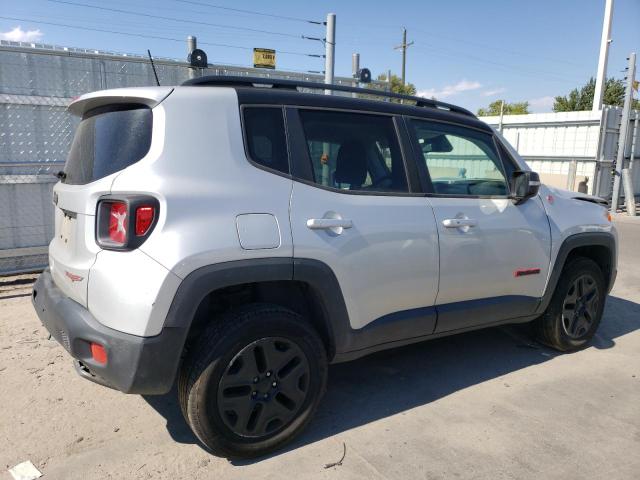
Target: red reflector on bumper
(98, 353)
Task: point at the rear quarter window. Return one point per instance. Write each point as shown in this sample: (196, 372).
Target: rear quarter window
(107, 140)
(265, 137)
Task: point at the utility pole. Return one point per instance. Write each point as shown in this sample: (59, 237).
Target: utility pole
(404, 47)
(330, 49)
(624, 128)
(192, 44)
(604, 55)
(355, 66)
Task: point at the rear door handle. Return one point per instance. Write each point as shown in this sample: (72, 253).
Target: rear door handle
(459, 222)
(328, 223)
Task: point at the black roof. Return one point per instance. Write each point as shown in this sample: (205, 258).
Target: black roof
(285, 92)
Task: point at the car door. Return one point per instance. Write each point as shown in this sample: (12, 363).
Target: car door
(355, 212)
(494, 254)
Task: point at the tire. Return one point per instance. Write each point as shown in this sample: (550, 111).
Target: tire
(569, 329)
(252, 380)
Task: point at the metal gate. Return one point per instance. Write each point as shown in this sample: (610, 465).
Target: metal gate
(570, 148)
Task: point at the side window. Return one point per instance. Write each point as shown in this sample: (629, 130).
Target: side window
(265, 136)
(460, 161)
(352, 151)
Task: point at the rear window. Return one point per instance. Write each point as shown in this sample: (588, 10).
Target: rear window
(107, 140)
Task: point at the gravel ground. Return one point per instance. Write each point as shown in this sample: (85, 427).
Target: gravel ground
(488, 404)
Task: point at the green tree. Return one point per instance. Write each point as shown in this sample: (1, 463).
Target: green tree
(582, 98)
(516, 108)
(396, 84)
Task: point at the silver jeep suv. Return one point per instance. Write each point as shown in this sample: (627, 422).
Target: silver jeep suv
(238, 238)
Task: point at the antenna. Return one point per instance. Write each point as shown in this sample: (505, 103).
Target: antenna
(153, 66)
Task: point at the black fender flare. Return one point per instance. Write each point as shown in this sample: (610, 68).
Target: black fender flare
(584, 239)
(204, 280)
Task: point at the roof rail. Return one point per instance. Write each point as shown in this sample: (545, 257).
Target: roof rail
(231, 81)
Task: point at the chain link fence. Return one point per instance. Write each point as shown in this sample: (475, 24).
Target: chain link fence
(35, 136)
(37, 82)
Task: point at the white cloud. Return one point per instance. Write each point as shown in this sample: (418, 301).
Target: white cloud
(541, 104)
(449, 90)
(19, 35)
(491, 93)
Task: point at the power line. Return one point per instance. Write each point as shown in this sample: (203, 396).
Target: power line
(156, 28)
(515, 68)
(160, 17)
(473, 43)
(155, 37)
(252, 12)
(449, 53)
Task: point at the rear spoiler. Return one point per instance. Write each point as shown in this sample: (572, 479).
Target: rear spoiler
(149, 96)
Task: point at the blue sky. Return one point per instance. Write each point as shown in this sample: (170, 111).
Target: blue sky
(465, 52)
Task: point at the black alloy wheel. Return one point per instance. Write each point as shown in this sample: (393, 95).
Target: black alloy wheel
(263, 387)
(580, 307)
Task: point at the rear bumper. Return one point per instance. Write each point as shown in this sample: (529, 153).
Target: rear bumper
(144, 365)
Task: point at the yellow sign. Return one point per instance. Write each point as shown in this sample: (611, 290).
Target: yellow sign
(264, 58)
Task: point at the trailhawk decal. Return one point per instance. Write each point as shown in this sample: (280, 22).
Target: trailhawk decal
(73, 277)
(522, 272)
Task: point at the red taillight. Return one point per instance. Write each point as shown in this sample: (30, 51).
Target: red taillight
(118, 222)
(124, 222)
(144, 219)
(98, 353)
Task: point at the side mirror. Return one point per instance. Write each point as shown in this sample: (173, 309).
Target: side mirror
(524, 185)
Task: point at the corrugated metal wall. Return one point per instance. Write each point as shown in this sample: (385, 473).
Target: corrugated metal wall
(550, 142)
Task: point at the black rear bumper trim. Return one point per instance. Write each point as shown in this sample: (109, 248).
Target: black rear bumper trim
(144, 365)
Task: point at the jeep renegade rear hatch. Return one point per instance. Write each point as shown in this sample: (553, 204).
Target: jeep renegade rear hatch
(108, 139)
(115, 132)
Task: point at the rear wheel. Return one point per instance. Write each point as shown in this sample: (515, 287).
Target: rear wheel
(253, 380)
(575, 310)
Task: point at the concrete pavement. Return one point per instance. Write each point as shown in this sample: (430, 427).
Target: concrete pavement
(488, 404)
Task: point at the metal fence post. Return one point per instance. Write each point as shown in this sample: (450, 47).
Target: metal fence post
(330, 49)
(329, 64)
(629, 197)
(192, 44)
(634, 141)
(624, 127)
(604, 122)
(571, 178)
(355, 66)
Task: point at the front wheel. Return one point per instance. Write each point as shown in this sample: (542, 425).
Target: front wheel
(575, 310)
(253, 380)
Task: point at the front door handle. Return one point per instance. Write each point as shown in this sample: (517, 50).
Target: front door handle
(459, 222)
(328, 223)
